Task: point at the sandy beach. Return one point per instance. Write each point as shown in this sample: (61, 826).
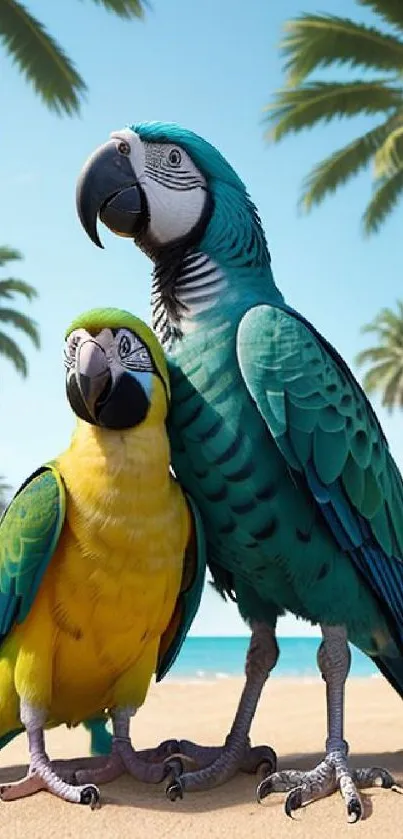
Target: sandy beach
(291, 717)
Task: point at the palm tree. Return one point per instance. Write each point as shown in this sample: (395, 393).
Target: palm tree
(41, 58)
(8, 288)
(313, 42)
(386, 357)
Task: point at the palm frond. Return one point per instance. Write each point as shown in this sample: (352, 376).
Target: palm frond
(10, 350)
(385, 319)
(21, 322)
(389, 156)
(393, 388)
(373, 354)
(375, 377)
(11, 286)
(385, 198)
(311, 103)
(8, 254)
(123, 8)
(340, 166)
(314, 41)
(390, 10)
(40, 58)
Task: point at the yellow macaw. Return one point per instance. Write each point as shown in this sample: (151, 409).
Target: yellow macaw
(102, 560)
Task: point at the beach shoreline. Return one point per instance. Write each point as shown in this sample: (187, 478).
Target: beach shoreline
(291, 717)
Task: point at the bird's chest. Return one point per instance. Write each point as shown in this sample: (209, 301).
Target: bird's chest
(222, 450)
(110, 575)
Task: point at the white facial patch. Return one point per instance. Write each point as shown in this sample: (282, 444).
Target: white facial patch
(137, 151)
(131, 352)
(174, 187)
(71, 344)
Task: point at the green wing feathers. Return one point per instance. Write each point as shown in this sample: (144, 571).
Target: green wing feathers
(323, 423)
(29, 533)
(193, 577)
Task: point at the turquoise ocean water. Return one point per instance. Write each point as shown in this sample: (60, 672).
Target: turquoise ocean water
(219, 658)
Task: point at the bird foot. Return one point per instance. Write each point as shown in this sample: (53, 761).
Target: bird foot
(332, 774)
(149, 766)
(216, 764)
(41, 776)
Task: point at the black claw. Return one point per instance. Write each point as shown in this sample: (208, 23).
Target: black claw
(90, 795)
(264, 789)
(386, 779)
(293, 801)
(174, 790)
(354, 810)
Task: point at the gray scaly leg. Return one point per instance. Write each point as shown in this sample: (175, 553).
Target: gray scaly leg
(219, 764)
(333, 772)
(41, 775)
(150, 766)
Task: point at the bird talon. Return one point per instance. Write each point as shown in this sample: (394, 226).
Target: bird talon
(90, 796)
(264, 789)
(293, 801)
(384, 779)
(387, 781)
(354, 810)
(174, 790)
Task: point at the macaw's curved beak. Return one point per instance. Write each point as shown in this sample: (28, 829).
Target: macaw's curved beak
(93, 375)
(107, 187)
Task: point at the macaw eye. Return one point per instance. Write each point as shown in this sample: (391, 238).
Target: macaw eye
(133, 354)
(175, 157)
(124, 147)
(125, 346)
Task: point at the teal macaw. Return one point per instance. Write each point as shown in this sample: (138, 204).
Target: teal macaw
(270, 433)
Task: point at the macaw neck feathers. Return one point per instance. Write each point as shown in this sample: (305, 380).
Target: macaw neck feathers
(100, 461)
(230, 266)
(178, 297)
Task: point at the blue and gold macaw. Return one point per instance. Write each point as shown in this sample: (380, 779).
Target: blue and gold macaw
(101, 563)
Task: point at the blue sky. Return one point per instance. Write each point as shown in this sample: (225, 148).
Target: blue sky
(213, 72)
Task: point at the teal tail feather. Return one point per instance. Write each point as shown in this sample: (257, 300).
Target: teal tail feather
(101, 740)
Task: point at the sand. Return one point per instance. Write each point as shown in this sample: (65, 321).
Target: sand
(291, 717)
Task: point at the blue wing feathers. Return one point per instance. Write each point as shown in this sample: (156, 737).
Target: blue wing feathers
(341, 364)
(351, 531)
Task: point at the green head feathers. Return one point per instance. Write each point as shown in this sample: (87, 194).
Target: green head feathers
(94, 320)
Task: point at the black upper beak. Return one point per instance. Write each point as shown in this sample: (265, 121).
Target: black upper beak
(107, 186)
